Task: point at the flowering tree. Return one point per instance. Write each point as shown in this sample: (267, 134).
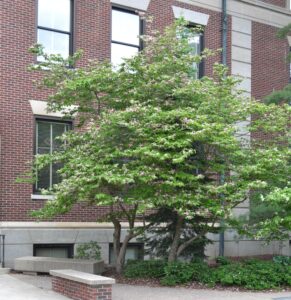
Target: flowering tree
(273, 210)
(156, 136)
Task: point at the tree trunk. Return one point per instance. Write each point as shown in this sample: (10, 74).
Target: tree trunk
(116, 238)
(182, 247)
(120, 260)
(175, 244)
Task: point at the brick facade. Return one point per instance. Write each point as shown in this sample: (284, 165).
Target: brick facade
(270, 70)
(281, 3)
(92, 34)
(250, 31)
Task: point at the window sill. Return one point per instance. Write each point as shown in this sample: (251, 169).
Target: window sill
(42, 197)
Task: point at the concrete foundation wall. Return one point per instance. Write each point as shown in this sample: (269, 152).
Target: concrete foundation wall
(20, 240)
(238, 246)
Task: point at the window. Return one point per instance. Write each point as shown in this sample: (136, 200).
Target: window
(45, 143)
(126, 27)
(196, 42)
(54, 30)
(133, 251)
(53, 250)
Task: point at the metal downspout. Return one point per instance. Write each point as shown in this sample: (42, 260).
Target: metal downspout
(224, 62)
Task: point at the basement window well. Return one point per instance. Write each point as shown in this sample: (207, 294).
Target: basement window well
(54, 250)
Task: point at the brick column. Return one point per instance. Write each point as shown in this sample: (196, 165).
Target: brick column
(81, 291)
(78, 287)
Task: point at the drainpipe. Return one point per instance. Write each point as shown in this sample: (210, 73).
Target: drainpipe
(224, 31)
(224, 62)
(2, 253)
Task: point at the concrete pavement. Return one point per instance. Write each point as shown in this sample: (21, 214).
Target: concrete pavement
(128, 292)
(25, 287)
(11, 288)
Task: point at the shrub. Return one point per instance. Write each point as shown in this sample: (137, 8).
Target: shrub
(254, 275)
(177, 273)
(249, 274)
(89, 250)
(181, 272)
(283, 260)
(145, 269)
(222, 260)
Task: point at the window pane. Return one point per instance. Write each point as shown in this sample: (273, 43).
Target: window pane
(54, 42)
(43, 135)
(194, 43)
(125, 27)
(58, 130)
(44, 130)
(43, 178)
(55, 14)
(132, 252)
(56, 178)
(118, 52)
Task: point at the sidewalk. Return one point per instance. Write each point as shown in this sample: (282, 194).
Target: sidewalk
(25, 287)
(11, 288)
(128, 292)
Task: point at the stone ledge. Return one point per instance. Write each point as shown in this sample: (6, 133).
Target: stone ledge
(4, 271)
(89, 279)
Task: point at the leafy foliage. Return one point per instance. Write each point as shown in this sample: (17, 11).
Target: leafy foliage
(154, 136)
(158, 238)
(249, 274)
(283, 260)
(145, 269)
(182, 272)
(223, 260)
(278, 97)
(254, 275)
(90, 250)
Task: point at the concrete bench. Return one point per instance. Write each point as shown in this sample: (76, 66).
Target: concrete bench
(45, 264)
(82, 286)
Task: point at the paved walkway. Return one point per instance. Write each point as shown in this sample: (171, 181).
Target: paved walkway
(24, 287)
(126, 292)
(11, 288)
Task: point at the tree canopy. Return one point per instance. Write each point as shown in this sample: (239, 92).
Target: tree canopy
(153, 135)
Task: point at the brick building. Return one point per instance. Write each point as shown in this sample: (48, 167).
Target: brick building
(252, 51)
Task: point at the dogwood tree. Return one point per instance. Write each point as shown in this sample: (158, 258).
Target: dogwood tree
(153, 135)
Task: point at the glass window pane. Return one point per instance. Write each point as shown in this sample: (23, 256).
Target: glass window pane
(55, 14)
(194, 43)
(56, 178)
(44, 129)
(43, 178)
(125, 27)
(52, 252)
(118, 52)
(54, 42)
(132, 252)
(58, 130)
(43, 135)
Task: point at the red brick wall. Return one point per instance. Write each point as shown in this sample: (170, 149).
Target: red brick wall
(270, 70)
(18, 33)
(81, 291)
(91, 33)
(281, 3)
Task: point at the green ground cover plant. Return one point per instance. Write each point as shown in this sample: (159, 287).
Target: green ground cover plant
(252, 274)
(145, 269)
